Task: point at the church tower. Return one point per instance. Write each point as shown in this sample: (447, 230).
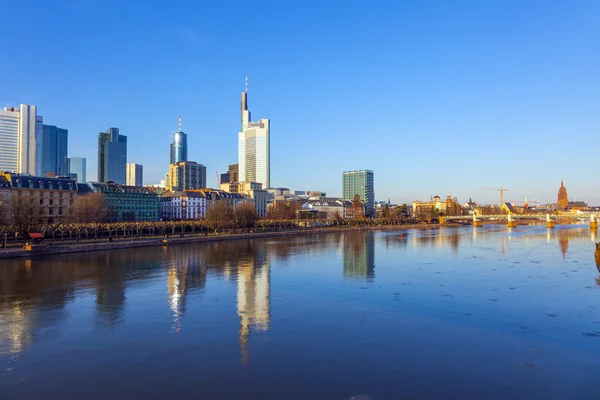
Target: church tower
(563, 198)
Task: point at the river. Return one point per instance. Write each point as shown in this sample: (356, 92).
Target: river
(486, 312)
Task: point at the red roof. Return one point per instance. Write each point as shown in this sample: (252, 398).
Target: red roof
(36, 236)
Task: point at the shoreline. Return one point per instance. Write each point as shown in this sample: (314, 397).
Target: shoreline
(57, 249)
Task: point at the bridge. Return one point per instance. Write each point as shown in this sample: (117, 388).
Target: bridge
(550, 219)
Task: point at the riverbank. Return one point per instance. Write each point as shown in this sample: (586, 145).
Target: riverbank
(56, 249)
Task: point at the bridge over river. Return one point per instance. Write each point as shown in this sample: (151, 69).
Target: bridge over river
(510, 219)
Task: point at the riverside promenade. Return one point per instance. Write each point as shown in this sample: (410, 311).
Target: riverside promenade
(56, 248)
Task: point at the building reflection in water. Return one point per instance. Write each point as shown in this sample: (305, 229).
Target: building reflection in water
(358, 250)
(186, 272)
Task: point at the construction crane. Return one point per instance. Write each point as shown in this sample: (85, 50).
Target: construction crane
(218, 178)
(501, 190)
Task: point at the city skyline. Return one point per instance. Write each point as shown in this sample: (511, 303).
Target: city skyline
(494, 107)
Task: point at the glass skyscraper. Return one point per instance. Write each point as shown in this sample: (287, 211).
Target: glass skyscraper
(77, 167)
(254, 155)
(112, 156)
(179, 149)
(360, 183)
(17, 139)
(51, 151)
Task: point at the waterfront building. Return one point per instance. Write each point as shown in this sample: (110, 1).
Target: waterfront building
(253, 148)
(77, 167)
(135, 174)
(112, 156)
(179, 147)
(51, 150)
(253, 190)
(184, 205)
(54, 196)
(186, 175)
(563, 198)
(332, 207)
(360, 183)
(17, 139)
(128, 203)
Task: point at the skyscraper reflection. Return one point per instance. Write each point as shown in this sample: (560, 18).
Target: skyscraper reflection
(358, 254)
(186, 271)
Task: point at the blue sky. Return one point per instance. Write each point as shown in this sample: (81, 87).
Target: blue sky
(435, 97)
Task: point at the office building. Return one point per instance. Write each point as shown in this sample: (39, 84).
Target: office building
(128, 203)
(51, 150)
(17, 139)
(360, 183)
(135, 174)
(179, 149)
(112, 156)
(186, 175)
(77, 167)
(254, 147)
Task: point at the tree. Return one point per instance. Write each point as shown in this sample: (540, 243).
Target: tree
(91, 208)
(26, 215)
(245, 215)
(386, 212)
(282, 210)
(219, 215)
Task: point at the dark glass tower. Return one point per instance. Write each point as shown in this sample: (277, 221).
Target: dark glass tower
(179, 149)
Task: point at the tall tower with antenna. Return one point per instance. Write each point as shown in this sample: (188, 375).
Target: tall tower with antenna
(254, 155)
(179, 149)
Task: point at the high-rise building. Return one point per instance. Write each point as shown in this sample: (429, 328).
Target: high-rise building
(234, 173)
(51, 150)
(254, 147)
(360, 183)
(135, 174)
(77, 166)
(186, 175)
(179, 149)
(17, 139)
(112, 156)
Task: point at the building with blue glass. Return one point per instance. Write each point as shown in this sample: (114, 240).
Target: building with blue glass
(112, 156)
(128, 203)
(77, 168)
(51, 151)
(179, 149)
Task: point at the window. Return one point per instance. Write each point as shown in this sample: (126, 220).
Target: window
(41, 202)
(30, 194)
(60, 211)
(50, 211)
(51, 202)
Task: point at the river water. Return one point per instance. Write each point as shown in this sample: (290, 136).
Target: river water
(468, 312)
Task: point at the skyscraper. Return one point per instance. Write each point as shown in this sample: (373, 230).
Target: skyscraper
(17, 139)
(186, 175)
(51, 150)
(360, 183)
(77, 166)
(112, 156)
(179, 149)
(254, 147)
(135, 174)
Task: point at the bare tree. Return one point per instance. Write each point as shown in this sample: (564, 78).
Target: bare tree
(91, 208)
(245, 215)
(219, 215)
(282, 210)
(26, 215)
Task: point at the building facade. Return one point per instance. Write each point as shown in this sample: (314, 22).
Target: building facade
(112, 157)
(563, 197)
(54, 196)
(128, 203)
(254, 158)
(77, 167)
(186, 175)
(360, 183)
(179, 148)
(135, 174)
(17, 139)
(185, 205)
(51, 151)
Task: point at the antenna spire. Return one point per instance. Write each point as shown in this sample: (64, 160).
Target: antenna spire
(246, 84)
(180, 123)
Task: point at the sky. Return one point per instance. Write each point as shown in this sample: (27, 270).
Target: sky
(436, 97)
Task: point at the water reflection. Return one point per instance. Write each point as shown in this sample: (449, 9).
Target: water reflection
(358, 254)
(34, 294)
